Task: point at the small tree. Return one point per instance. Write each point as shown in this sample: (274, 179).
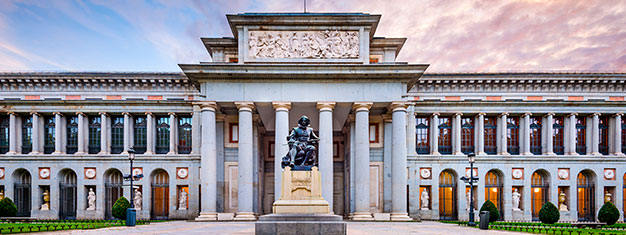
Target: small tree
(494, 214)
(7, 208)
(549, 214)
(119, 208)
(608, 214)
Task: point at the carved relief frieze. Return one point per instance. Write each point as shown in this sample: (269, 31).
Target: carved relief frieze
(328, 44)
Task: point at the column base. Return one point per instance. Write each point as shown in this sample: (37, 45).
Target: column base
(436, 154)
(596, 154)
(244, 216)
(459, 153)
(504, 153)
(573, 154)
(620, 154)
(481, 154)
(11, 153)
(148, 153)
(400, 217)
(56, 153)
(171, 153)
(207, 216)
(34, 153)
(103, 153)
(80, 153)
(550, 154)
(125, 152)
(362, 216)
(527, 154)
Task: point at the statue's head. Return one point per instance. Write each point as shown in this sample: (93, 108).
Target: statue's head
(304, 121)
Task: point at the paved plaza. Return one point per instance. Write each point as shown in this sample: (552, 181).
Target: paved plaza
(223, 228)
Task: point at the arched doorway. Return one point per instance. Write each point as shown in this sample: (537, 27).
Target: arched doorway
(160, 194)
(113, 190)
(447, 195)
(493, 190)
(22, 192)
(586, 197)
(67, 194)
(540, 187)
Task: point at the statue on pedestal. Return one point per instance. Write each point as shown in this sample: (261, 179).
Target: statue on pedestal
(137, 199)
(562, 206)
(424, 198)
(46, 201)
(302, 150)
(91, 200)
(607, 196)
(182, 201)
(516, 198)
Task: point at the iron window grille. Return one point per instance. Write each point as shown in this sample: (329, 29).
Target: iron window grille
(445, 135)
(95, 126)
(603, 127)
(467, 135)
(162, 135)
(422, 134)
(490, 135)
(27, 134)
(117, 135)
(184, 135)
(140, 133)
(535, 135)
(72, 135)
(4, 134)
(557, 137)
(49, 137)
(581, 135)
(512, 135)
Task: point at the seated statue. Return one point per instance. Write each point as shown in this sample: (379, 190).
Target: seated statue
(301, 142)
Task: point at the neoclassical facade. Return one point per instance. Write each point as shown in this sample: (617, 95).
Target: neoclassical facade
(393, 143)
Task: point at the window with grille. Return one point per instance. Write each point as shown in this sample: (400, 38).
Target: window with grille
(184, 135)
(72, 135)
(623, 135)
(117, 134)
(490, 135)
(95, 126)
(140, 134)
(445, 135)
(557, 137)
(162, 135)
(422, 135)
(581, 135)
(48, 138)
(535, 135)
(512, 135)
(4, 134)
(603, 127)
(467, 135)
(27, 134)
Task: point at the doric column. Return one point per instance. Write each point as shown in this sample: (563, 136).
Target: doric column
(244, 210)
(126, 132)
(196, 135)
(208, 163)
(480, 129)
(280, 142)
(36, 133)
(434, 138)
(526, 133)
(410, 131)
(172, 134)
(595, 135)
(618, 135)
(549, 150)
(58, 133)
(456, 127)
(81, 133)
(398, 162)
(326, 150)
(571, 141)
(103, 133)
(12, 133)
(149, 133)
(362, 161)
(503, 134)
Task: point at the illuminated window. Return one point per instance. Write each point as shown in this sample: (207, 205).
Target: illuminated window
(535, 135)
(585, 192)
(512, 135)
(445, 135)
(493, 190)
(72, 135)
(233, 132)
(490, 135)
(27, 134)
(603, 127)
(581, 135)
(539, 193)
(447, 196)
(184, 135)
(467, 135)
(557, 137)
(373, 132)
(421, 135)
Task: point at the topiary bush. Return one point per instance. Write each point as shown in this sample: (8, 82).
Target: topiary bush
(7, 208)
(494, 214)
(549, 214)
(119, 208)
(608, 214)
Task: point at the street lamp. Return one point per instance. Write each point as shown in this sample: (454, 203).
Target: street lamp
(131, 213)
(471, 180)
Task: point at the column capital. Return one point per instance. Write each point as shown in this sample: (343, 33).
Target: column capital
(435, 114)
(34, 113)
(11, 113)
(458, 114)
(171, 114)
(220, 117)
(619, 114)
(387, 117)
(57, 113)
(103, 113)
(549, 114)
(481, 114)
(281, 106)
(325, 105)
(572, 114)
(208, 106)
(504, 114)
(596, 114)
(126, 114)
(245, 106)
(351, 118)
(149, 114)
(362, 106)
(527, 114)
(81, 114)
(398, 106)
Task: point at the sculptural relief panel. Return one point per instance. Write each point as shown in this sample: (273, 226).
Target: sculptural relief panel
(328, 44)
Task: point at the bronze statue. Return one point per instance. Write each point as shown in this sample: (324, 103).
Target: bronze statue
(302, 151)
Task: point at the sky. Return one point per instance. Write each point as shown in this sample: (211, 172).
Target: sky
(450, 35)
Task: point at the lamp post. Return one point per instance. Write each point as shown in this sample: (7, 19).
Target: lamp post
(472, 158)
(131, 214)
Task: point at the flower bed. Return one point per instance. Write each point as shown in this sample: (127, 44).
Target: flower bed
(56, 225)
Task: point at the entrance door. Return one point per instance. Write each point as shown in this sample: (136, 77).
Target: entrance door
(22, 190)
(586, 199)
(113, 191)
(447, 196)
(67, 195)
(160, 195)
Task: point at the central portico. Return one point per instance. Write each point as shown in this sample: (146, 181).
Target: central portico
(278, 67)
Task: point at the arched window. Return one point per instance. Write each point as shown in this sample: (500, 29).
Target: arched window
(493, 190)
(445, 135)
(422, 134)
(467, 135)
(67, 195)
(22, 192)
(113, 190)
(586, 199)
(160, 194)
(447, 196)
(539, 192)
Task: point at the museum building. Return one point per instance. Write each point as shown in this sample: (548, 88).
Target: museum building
(393, 140)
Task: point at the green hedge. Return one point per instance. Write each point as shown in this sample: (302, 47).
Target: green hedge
(494, 214)
(119, 208)
(7, 208)
(608, 214)
(549, 214)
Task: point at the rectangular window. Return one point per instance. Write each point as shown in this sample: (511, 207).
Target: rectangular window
(72, 135)
(557, 137)
(48, 139)
(581, 135)
(27, 134)
(490, 135)
(421, 135)
(535, 135)
(140, 133)
(467, 135)
(233, 132)
(445, 135)
(184, 135)
(512, 135)
(95, 127)
(373, 132)
(162, 135)
(603, 127)
(623, 135)
(117, 134)
(4, 134)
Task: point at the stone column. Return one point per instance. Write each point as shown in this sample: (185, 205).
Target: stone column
(172, 134)
(58, 134)
(526, 133)
(618, 135)
(245, 197)
(81, 133)
(149, 133)
(195, 130)
(398, 162)
(434, 138)
(572, 134)
(103, 134)
(36, 134)
(362, 161)
(326, 150)
(12, 134)
(595, 135)
(480, 129)
(126, 132)
(410, 131)
(549, 150)
(280, 142)
(503, 134)
(456, 127)
(208, 163)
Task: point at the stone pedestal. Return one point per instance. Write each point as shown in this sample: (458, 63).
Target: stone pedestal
(518, 215)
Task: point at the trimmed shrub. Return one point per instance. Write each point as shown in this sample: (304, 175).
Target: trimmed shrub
(549, 214)
(608, 214)
(119, 208)
(494, 214)
(7, 208)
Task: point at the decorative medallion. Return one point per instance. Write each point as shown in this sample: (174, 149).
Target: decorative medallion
(609, 173)
(137, 171)
(90, 173)
(563, 173)
(518, 173)
(425, 173)
(467, 172)
(182, 172)
(44, 173)
(1, 173)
